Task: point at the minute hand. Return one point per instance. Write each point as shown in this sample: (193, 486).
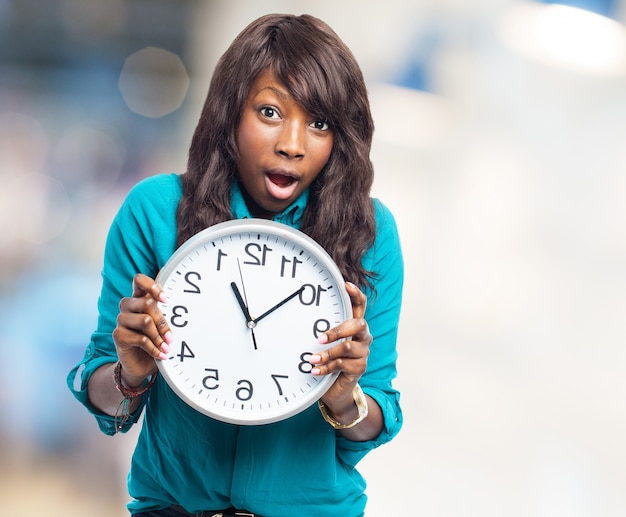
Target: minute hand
(279, 304)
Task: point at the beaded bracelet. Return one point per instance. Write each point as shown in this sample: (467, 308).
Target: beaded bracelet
(123, 413)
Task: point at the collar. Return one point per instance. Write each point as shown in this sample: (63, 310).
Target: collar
(291, 216)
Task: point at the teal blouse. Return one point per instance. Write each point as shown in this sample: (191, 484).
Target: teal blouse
(300, 466)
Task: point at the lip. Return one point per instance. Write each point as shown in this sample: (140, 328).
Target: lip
(281, 183)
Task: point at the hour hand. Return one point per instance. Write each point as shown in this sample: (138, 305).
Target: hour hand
(242, 304)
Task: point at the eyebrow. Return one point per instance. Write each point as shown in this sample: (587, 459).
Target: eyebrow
(274, 89)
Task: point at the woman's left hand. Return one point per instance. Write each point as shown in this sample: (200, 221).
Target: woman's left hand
(348, 357)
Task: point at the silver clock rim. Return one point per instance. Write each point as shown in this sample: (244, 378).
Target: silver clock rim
(262, 225)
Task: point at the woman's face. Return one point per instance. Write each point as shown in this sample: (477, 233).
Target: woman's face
(282, 147)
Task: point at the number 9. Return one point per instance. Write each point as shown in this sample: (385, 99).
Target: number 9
(320, 326)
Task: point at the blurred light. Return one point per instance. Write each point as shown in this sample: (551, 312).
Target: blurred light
(153, 82)
(35, 209)
(86, 20)
(604, 7)
(410, 118)
(23, 152)
(89, 160)
(23, 145)
(567, 37)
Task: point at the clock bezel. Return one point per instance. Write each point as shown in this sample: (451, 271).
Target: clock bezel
(252, 225)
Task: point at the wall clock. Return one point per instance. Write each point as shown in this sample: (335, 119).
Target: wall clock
(247, 300)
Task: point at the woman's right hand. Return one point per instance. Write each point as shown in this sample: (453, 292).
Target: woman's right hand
(142, 333)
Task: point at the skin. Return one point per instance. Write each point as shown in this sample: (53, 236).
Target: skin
(282, 150)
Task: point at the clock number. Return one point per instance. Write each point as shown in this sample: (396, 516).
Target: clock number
(276, 377)
(313, 296)
(244, 392)
(305, 366)
(320, 326)
(256, 261)
(214, 375)
(196, 289)
(185, 351)
(286, 261)
(220, 254)
(177, 316)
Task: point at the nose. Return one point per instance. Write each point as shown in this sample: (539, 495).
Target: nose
(291, 140)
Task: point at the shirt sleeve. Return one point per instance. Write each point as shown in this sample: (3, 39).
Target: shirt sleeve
(140, 239)
(382, 315)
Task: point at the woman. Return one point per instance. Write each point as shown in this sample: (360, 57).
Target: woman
(285, 134)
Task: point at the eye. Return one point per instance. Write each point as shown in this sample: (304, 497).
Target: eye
(322, 125)
(269, 112)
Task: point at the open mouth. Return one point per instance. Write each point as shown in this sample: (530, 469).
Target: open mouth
(281, 180)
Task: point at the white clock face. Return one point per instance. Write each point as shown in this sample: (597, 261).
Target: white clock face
(247, 300)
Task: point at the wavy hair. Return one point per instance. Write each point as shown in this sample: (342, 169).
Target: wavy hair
(321, 73)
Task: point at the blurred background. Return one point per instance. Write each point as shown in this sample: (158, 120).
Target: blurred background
(500, 147)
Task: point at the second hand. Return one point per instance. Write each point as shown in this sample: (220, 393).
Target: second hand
(245, 296)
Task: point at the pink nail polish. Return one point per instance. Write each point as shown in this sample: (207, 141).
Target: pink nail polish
(323, 339)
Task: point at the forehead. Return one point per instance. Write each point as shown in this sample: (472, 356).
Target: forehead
(267, 81)
(289, 87)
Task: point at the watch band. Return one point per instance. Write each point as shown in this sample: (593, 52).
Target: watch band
(361, 404)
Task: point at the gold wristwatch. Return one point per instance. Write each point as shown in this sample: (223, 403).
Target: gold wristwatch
(361, 404)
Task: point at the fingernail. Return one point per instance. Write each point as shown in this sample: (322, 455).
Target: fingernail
(168, 337)
(163, 356)
(323, 339)
(315, 371)
(165, 347)
(314, 359)
(162, 297)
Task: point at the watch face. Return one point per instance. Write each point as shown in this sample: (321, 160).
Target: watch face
(247, 300)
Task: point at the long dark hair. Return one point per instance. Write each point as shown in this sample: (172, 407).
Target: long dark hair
(321, 73)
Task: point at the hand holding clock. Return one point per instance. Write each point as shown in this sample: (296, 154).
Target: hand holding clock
(143, 335)
(350, 358)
